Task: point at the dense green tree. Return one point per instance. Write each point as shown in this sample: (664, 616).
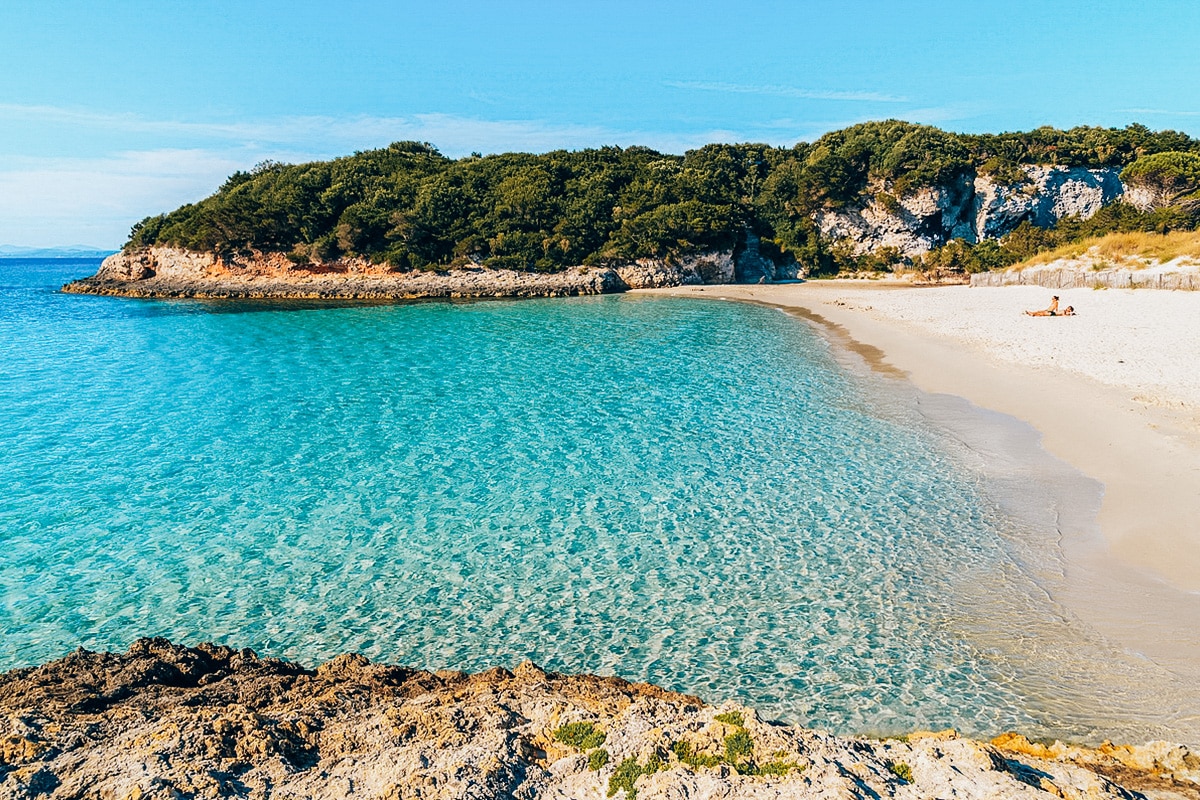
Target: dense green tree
(410, 206)
(1171, 176)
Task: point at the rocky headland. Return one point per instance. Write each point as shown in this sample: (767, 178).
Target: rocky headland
(167, 721)
(972, 207)
(171, 272)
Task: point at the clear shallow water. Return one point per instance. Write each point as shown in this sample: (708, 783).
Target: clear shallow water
(691, 493)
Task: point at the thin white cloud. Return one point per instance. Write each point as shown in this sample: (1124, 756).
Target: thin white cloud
(316, 136)
(329, 135)
(46, 202)
(1159, 112)
(776, 90)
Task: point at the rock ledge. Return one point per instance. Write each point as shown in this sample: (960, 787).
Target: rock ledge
(168, 721)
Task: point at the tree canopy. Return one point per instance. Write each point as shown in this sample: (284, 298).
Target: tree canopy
(412, 207)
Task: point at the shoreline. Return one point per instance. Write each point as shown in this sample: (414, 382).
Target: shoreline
(1133, 572)
(163, 272)
(164, 720)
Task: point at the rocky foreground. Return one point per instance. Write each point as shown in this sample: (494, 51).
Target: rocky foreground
(167, 721)
(169, 272)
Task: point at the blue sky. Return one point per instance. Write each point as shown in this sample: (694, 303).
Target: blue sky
(110, 111)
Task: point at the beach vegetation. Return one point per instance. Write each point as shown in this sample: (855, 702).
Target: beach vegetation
(597, 759)
(628, 771)
(738, 754)
(1171, 176)
(1130, 249)
(1119, 232)
(778, 767)
(732, 718)
(687, 754)
(901, 771)
(738, 747)
(580, 735)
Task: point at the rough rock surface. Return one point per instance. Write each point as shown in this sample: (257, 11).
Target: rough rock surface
(647, 273)
(166, 721)
(170, 272)
(970, 208)
(1046, 196)
(913, 223)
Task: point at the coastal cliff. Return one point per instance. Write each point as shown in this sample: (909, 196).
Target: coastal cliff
(973, 208)
(167, 721)
(172, 272)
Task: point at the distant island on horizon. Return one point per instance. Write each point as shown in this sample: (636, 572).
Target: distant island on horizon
(63, 251)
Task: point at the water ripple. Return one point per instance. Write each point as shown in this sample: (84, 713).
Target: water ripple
(690, 493)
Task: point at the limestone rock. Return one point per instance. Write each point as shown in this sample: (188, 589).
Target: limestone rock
(170, 272)
(913, 223)
(166, 721)
(1045, 196)
(653, 273)
(969, 207)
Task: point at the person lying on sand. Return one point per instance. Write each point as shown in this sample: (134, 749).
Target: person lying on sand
(1050, 311)
(1069, 311)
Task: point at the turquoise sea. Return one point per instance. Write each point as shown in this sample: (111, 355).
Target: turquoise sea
(701, 494)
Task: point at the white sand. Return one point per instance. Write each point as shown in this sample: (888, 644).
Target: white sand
(1114, 392)
(1144, 342)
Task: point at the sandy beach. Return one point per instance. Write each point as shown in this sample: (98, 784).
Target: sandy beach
(1113, 392)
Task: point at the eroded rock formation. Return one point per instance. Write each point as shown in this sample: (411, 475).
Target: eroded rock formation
(170, 272)
(973, 208)
(166, 721)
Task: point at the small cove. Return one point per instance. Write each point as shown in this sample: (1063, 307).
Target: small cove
(698, 494)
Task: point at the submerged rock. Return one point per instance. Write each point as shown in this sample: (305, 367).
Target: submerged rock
(167, 721)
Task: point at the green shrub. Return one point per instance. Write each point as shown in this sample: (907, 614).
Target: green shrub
(738, 747)
(888, 203)
(732, 718)
(777, 767)
(686, 755)
(627, 773)
(580, 735)
(597, 759)
(1170, 175)
(901, 771)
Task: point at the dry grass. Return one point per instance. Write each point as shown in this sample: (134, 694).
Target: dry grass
(1126, 249)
